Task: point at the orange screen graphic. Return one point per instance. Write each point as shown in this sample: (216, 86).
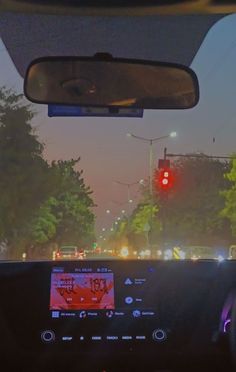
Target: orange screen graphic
(72, 291)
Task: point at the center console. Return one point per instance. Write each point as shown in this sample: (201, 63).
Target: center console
(118, 312)
(99, 304)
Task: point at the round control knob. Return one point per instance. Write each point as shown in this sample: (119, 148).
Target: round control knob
(159, 335)
(48, 336)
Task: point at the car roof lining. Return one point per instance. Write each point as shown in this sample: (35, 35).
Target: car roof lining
(159, 38)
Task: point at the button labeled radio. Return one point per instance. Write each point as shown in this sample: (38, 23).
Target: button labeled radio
(48, 336)
(159, 335)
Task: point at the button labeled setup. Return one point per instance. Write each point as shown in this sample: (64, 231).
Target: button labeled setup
(67, 338)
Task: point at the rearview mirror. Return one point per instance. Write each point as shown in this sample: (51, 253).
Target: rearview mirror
(103, 81)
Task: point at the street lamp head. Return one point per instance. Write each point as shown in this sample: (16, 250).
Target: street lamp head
(118, 219)
(141, 182)
(130, 201)
(123, 211)
(103, 229)
(128, 134)
(108, 211)
(173, 134)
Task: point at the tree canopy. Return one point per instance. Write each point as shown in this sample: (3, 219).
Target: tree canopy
(189, 212)
(229, 210)
(193, 205)
(40, 202)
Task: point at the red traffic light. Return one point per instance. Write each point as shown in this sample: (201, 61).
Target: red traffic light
(165, 178)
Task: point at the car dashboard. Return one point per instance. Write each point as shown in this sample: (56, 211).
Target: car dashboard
(116, 315)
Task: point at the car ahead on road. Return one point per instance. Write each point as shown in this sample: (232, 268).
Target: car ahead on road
(70, 252)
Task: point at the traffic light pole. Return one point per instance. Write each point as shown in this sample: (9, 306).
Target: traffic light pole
(164, 218)
(164, 199)
(165, 151)
(151, 168)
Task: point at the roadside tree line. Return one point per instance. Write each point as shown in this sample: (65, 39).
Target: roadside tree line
(41, 203)
(199, 208)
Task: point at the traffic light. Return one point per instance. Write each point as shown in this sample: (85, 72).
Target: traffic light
(95, 244)
(165, 179)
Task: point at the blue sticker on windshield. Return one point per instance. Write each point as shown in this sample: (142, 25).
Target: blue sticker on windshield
(76, 111)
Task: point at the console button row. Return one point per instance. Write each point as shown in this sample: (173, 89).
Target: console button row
(158, 335)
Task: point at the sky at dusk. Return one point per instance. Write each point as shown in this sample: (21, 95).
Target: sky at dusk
(108, 155)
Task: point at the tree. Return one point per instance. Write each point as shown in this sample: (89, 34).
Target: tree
(191, 209)
(25, 176)
(66, 217)
(142, 218)
(229, 210)
(44, 225)
(135, 230)
(40, 203)
(76, 220)
(145, 224)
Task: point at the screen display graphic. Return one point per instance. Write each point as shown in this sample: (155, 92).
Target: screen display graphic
(82, 291)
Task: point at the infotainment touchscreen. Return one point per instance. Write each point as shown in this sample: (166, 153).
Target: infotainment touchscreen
(82, 291)
(91, 290)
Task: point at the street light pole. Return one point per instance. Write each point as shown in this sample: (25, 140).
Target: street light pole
(151, 168)
(128, 185)
(129, 200)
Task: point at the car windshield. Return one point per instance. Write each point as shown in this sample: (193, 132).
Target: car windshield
(99, 182)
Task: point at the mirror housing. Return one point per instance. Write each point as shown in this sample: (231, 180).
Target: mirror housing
(104, 81)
